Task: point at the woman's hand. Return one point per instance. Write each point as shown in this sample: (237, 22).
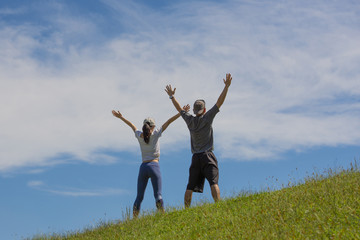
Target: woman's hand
(186, 108)
(117, 114)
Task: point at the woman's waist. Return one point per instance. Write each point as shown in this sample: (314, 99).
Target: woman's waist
(152, 160)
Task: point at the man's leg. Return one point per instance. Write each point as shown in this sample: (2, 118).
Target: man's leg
(215, 192)
(212, 174)
(187, 198)
(194, 174)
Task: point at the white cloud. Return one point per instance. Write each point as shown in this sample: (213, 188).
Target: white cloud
(76, 192)
(292, 67)
(35, 184)
(88, 193)
(10, 11)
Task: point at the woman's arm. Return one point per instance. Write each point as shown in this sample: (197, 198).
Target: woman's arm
(186, 108)
(119, 115)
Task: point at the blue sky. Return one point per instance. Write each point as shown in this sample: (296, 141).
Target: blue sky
(66, 163)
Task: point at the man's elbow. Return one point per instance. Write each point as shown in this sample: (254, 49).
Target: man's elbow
(218, 104)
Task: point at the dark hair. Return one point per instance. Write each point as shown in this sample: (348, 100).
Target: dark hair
(146, 132)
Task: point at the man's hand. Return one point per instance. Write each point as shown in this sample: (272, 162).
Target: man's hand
(186, 108)
(171, 93)
(169, 90)
(116, 114)
(228, 80)
(222, 96)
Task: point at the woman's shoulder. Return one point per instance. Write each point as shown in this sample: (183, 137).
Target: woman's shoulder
(157, 131)
(138, 133)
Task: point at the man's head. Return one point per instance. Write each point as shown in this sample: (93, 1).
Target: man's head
(199, 107)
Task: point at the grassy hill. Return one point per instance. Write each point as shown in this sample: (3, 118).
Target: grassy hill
(321, 207)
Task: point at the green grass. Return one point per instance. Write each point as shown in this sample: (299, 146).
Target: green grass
(325, 206)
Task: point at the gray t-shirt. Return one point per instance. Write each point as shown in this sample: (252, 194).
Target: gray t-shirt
(151, 150)
(201, 131)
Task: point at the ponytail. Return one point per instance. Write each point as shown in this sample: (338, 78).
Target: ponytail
(146, 133)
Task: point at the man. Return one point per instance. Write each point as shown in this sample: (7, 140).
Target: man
(203, 163)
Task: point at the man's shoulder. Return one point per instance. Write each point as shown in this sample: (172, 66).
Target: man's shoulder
(183, 112)
(186, 115)
(215, 108)
(213, 111)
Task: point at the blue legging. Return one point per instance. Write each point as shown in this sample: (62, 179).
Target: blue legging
(149, 170)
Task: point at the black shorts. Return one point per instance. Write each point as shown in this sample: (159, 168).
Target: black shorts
(203, 165)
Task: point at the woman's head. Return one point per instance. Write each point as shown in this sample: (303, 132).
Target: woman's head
(149, 124)
(150, 121)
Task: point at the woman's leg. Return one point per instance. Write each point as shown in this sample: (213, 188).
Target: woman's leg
(155, 176)
(141, 186)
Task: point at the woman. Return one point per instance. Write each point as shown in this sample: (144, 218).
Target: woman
(150, 151)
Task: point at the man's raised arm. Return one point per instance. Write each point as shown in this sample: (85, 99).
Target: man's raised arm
(222, 96)
(171, 94)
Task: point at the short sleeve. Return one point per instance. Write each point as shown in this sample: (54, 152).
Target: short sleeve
(158, 132)
(186, 116)
(137, 133)
(212, 112)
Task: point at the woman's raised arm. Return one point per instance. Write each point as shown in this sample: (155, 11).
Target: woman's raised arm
(119, 115)
(186, 108)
